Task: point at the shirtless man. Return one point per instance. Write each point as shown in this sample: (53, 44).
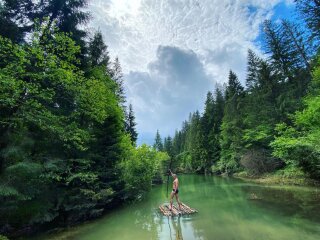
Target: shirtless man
(175, 190)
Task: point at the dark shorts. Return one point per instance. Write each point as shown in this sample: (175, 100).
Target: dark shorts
(175, 191)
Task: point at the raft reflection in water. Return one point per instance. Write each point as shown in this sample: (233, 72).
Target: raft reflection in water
(176, 228)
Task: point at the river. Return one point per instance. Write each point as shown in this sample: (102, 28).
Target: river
(228, 209)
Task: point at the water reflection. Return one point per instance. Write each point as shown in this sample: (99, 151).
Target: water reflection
(177, 231)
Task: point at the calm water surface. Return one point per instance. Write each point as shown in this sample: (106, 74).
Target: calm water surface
(226, 211)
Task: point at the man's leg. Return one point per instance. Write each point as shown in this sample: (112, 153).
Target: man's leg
(178, 200)
(171, 199)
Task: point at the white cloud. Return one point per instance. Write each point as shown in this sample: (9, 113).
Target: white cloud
(135, 28)
(174, 85)
(218, 32)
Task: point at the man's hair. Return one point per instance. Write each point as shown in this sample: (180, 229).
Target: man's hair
(174, 175)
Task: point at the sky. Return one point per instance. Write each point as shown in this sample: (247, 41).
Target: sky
(173, 52)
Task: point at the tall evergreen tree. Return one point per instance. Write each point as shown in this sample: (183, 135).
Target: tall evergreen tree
(98, 54)
(66, 14)
(194, 142)
(253, 63)
(168, 146)
(177, 143)
(288, 61)
(231, 128)
(218, 110)
(158, 145)
(214, 136)
(259, 115)
(206, 132)
(299, 45)
(310, 11)
(117, 75)
(9, 28)
(131, 125)
(280, 51)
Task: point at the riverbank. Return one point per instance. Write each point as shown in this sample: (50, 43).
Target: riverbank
(279, 178)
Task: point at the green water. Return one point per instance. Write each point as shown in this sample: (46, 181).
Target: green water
(225, 212)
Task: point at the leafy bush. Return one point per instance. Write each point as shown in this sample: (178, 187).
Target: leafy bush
(141, 166)
(3, 237)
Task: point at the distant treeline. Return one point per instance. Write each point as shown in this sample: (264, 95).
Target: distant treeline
(67, 137)
(273, 122)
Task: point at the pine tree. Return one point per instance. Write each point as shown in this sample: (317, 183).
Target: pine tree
(158, 145)
(214, 136)
(259, 115)
(207, 123)
(67, 15)
(231, 128)
(194, 142)
(117, 76)
(177, 143)
(298, 43)
(288, 50)
(98, 54)
(280, 51)
(131, 125)
(168, 146)
(9, 28)
(218, 110)
(252, 70)
(310, 12)
(208, 115)
(289, 64)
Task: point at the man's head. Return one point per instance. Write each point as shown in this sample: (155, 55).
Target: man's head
(174, 176)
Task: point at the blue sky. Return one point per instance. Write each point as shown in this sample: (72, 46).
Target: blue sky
(283, 10)
(174, 51)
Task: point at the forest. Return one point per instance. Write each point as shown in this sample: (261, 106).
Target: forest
(269, 125)
(67, 136)
(68, 149)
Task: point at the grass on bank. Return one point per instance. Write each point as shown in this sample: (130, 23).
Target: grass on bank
(287, 176)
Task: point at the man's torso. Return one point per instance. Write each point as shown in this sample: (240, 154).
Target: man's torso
(175, 184)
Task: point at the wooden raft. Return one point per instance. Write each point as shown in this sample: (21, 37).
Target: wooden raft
(184, 209)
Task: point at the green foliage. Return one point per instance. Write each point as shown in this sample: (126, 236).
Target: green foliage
(298, 145)
(196, 146)
(67, 143)
(235, 131)
(291, 172)
(3, 237)
(61, 134)
(141, 166)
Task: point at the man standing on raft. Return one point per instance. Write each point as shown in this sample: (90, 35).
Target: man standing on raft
(175, 190)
